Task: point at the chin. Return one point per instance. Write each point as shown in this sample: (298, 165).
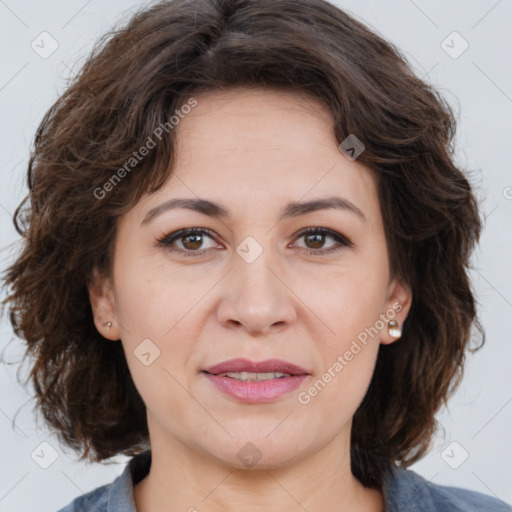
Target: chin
(248, 459)
(259, 452)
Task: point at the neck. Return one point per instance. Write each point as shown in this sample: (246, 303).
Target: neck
(181, 479)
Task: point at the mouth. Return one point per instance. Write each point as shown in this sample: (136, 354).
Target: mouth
(256, 382)
(270, 366)
(254, 377)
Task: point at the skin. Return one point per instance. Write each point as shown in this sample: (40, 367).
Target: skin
(253, 151)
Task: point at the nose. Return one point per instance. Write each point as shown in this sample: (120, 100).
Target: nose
(257, 297)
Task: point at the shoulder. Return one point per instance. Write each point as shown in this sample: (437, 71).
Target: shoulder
(117, 495)
(456, 498)
(96, 500)
(406, 491)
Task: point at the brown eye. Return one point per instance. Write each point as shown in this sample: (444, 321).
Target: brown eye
(315, 239)
(190, 241)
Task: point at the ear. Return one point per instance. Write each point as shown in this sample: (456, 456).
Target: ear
(103, 307)
(398, 304)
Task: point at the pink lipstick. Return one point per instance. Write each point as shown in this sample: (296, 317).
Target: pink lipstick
(256, 382)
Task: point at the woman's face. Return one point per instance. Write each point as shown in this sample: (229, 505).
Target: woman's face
(250, 284)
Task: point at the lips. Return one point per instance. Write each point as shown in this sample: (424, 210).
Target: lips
(256, 382)
(245, 365)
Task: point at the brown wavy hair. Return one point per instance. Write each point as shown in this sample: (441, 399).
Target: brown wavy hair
(135, 79)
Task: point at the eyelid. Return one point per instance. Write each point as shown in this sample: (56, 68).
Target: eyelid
(167, 240)
(340, 239)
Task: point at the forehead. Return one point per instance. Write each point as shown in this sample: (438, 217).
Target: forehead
(243, 118)
(255, 148)
(264, 134)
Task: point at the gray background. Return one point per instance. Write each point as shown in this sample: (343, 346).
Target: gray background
(478, 82)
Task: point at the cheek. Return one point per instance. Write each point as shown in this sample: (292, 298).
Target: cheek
(154, 299)
(350, 306)
(348, 302)
(160, 314)
(344, 379)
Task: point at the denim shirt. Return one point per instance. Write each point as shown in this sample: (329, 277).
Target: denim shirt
(403, 490)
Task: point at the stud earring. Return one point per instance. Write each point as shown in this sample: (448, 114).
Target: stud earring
(394, 329)
(108, 325)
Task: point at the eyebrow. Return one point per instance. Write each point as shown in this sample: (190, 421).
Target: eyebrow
(212, 209)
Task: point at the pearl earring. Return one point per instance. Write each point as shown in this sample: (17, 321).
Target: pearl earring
(108, 325)
(394, 329)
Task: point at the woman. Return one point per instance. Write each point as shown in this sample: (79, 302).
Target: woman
(245, 263)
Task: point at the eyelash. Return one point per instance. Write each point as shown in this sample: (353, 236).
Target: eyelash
(167, 240)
